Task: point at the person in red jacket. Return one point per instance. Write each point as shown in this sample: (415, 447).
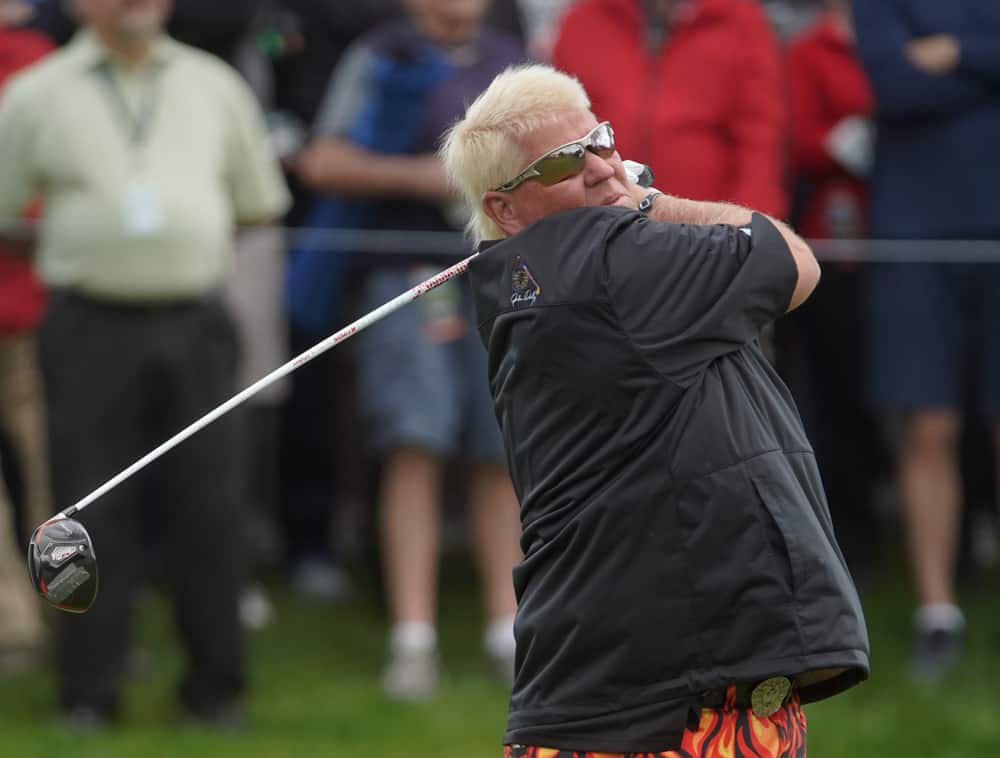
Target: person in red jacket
(22, 301)
(694, 88)
(21, 297)
(832, 134)
(831, 138)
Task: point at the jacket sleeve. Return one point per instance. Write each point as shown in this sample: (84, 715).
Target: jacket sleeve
(902, 89)
(685, 295)
(257, 187)
(809, 127)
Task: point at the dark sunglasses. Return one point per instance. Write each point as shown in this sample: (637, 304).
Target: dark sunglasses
(566, 160)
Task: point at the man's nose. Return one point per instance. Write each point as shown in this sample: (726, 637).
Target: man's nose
(596, 169)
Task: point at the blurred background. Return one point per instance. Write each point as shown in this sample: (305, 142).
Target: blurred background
(328, 569)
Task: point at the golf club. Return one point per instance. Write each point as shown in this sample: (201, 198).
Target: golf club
(61, 559)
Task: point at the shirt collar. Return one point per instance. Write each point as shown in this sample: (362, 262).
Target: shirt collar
(91, 53)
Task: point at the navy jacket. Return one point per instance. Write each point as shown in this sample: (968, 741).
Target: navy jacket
(395, 92)
(937, 160)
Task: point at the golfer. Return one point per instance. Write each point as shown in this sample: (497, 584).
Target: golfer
(681, 591)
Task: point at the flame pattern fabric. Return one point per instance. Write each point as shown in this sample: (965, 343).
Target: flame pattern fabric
(725, 732)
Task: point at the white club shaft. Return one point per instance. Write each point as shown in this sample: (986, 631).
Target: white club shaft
(318, 349)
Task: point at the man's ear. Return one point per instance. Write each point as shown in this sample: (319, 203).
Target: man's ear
(498, 206)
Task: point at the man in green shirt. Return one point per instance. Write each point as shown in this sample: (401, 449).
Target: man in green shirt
(148, 154)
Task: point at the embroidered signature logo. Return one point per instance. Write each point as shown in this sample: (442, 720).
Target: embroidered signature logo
(525, 288)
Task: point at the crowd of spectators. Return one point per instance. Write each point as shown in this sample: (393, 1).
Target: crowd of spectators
(169, 171)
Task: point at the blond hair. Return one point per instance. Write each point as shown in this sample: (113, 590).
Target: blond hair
(484, 149)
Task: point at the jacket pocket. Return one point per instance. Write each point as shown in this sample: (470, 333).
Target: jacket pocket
(739, 569)
(826, 605)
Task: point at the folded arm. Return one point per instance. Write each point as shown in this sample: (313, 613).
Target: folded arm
(903, 88)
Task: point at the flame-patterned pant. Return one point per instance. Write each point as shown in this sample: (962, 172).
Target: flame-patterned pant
(725, 732)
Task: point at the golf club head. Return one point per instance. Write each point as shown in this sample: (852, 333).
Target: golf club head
(62, 564)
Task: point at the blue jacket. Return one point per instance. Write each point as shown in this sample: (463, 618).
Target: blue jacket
(408, 93)
(936, 161)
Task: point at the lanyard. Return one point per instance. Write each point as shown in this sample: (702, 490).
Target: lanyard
(137, 125)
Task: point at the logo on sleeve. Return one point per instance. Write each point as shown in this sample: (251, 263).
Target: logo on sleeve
(524, 287)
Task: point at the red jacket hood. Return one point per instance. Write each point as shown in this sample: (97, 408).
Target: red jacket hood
(700, 10)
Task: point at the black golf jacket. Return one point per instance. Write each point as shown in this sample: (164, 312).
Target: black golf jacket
(676, 536)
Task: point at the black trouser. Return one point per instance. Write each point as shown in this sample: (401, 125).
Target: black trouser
(119, 381)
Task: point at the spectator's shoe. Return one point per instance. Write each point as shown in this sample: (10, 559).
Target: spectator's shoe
(411, 676)
(320, 579)
(85, 719)
(501, 649)
(937, 647)
(502, 668)
(256, 610)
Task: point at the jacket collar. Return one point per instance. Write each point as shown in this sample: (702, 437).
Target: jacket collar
(88, 50)
(694, 10)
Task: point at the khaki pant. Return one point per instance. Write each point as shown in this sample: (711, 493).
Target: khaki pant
(22, 420)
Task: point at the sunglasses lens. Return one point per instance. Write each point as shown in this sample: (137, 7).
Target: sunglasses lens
(555, 168)
(62, 565)
(603, 141)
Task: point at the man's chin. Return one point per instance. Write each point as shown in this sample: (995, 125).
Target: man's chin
(142, 26)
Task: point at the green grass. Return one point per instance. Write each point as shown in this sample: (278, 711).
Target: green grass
(314, 692)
